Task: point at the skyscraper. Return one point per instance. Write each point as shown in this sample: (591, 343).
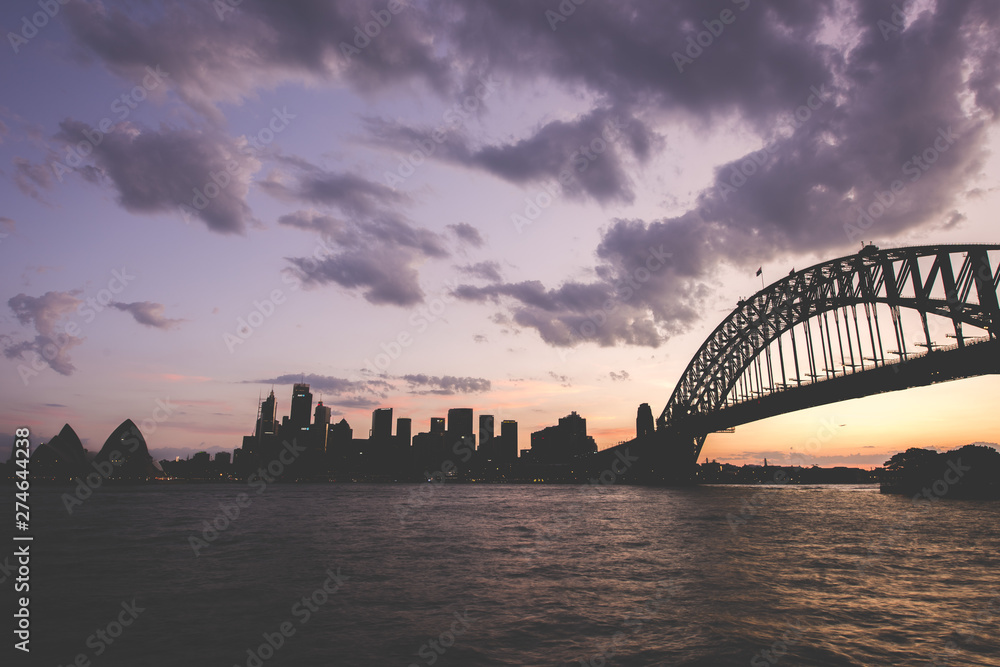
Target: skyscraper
(301, 411)
(404, 428)
(381, 424)
(322, 415)
(318, 433)
(486, 434)
(508, 433)
(460, 422)
(644, 422)
(437, 424)
(267, 422)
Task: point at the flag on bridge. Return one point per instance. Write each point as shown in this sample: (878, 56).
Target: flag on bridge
(760, 270)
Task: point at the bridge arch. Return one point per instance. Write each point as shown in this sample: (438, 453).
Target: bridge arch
(957, 282)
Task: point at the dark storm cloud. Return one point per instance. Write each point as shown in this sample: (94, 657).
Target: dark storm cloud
(215, 55)
(351, 193)
(45, 314)
(167, 170)
(488, 270)
(447, 385)
(467, 233)
(377, 256)
(893, 110)
(149, 314)
(609, 311)
(585, 154)
(372, 248)
(843, 108)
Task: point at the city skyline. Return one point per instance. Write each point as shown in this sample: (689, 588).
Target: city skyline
(420, 220)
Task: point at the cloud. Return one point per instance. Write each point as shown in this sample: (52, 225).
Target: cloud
(30, 177)
(45, 313)
(467, 233)
(352, 194)
(170, 170)
(206, 52)
(838, 111)
(341, 392)
(372, 249)
(148, 313)
(619, 377)
(488, 270)
(586, 154)
(561, 379)
(611, 310)
(329, 383)
(447, 385)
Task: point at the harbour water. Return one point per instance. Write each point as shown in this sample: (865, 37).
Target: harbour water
(475, 574)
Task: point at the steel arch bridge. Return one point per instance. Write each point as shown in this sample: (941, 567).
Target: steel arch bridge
(817, 337)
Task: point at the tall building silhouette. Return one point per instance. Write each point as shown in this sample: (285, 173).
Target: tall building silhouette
(322, 415)
(319, 432)
(508, 433)
(564, 442)
(644, 422)
(460, 427)
(301, 411)
(485, 431)
(267, 421)
(460, 422)
(381, 424)
(437, 425)
(404, 427)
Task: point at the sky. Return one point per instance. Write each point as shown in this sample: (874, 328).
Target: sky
(425, 205)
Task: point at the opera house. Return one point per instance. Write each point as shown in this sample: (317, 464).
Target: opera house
(64, 459)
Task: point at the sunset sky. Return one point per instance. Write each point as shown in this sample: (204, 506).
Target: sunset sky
(425, 205)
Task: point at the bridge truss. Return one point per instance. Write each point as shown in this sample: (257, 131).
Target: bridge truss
(837, 318)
